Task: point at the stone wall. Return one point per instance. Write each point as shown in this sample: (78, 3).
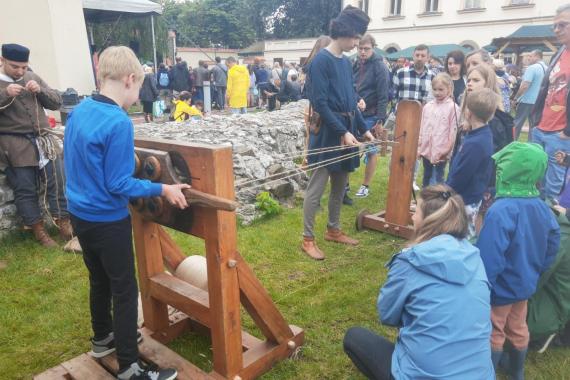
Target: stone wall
(8, 217)
(264, 144)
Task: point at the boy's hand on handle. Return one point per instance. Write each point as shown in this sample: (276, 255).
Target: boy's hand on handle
(349, 139)
(174, 196)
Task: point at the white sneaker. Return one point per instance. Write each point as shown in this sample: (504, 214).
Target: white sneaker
(415, 186)
(362, 192)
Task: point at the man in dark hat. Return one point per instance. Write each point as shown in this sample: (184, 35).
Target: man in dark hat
(330, 88)
(27, 151)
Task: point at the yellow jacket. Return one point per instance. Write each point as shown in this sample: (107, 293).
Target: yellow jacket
(184, 111)
(238, 85)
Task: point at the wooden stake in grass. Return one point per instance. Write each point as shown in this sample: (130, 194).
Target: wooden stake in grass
(3, 264)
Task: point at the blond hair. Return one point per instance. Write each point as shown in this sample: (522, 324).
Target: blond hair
(117, 62)
(445, 79)
(482, 104)
(490, 82)
(443, 212)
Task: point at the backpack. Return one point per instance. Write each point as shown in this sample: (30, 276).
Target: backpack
(163, 79)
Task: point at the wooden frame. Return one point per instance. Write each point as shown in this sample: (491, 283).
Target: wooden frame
(237, 355)
(396, 219)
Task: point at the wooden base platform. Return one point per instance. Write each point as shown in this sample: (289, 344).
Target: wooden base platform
(378, 222)
(85, 367)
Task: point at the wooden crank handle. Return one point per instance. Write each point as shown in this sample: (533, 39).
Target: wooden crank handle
(208, 200)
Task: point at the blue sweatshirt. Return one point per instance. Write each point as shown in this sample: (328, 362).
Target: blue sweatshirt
(99, 162)
(471, 166)
(438, 295)
(518, 242)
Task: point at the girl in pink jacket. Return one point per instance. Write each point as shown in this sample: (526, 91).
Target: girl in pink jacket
(438, 129)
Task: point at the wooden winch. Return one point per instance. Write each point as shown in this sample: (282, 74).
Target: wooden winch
(230, 281)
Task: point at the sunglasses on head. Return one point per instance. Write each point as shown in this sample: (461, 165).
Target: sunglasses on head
(560, 25)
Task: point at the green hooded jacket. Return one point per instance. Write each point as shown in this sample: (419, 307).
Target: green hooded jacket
(520, 166)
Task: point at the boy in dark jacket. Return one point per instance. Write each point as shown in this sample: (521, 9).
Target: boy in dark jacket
(472, 166)
(518, 242)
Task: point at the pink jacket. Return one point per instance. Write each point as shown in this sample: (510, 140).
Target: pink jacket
(438, 129)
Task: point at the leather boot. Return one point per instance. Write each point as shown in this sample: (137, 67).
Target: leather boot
(310, 248)
(338, 236)
(65, 229)
(42, 236)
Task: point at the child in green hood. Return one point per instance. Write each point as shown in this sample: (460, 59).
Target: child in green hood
(518, 242)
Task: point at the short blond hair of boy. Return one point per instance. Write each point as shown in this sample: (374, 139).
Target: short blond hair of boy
(482, 104)
(117, 62)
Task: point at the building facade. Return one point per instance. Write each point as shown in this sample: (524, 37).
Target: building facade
(193, 55)
(398, 24)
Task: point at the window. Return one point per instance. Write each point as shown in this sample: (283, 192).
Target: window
(395, 7)
(520, 2)
(431, 6)
(472, 4)
(363, 4)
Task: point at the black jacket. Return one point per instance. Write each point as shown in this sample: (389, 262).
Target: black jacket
(541, 99)
(372, 83)
(502, 127)
(180, 77)
(148, 91)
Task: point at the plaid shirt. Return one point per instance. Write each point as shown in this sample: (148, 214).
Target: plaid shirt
(410, 85)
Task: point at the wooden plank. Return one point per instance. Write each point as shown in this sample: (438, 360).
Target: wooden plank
(379, 223)
(84, 367)
(223, 287)
(182, 295)
(179, 324)
(259, 305)
(403, 162)
(149, 260)
(55, 373)
(172, 255)
(263, 357)
(152, 351)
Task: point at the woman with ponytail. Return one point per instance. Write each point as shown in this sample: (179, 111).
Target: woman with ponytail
(437, 294)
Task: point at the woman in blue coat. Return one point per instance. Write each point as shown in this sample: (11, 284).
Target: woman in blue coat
(438, 295)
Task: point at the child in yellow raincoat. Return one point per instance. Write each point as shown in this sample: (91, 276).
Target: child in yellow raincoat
(183, 108)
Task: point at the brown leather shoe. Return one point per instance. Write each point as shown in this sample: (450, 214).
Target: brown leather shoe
(310, 248)
(42, 236)
(338, 236)
(65, 229)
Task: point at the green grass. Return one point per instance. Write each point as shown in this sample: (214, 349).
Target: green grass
(44, 315)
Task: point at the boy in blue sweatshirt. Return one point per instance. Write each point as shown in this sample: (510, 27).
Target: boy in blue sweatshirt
(518, 242)
(99, 163)
(471, 167)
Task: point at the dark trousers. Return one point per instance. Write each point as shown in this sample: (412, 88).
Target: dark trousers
(26, 181)
(220, 96)
(431, 171)
(108, 255)
(370, 353)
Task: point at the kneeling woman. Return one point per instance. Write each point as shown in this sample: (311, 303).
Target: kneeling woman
(438, 295)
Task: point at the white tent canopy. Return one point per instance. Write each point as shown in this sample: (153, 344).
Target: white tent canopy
(108, 10)
(124, 6)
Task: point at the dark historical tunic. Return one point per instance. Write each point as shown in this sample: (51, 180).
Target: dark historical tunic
(19, 121)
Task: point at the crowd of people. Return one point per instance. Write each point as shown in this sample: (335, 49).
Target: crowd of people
(233, 86)
(487, 271)
(488, 251)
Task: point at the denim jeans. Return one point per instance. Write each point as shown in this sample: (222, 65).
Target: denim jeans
(236, 111)
(433, 174)
(220, 96)
(370, 353)
(523, 114)
(370, 122)
(554, 178)
(25, 181)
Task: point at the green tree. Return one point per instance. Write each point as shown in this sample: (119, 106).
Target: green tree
(304, 18)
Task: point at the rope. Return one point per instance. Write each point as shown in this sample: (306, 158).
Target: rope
(298, 171)
(313, 152)
(9, 104)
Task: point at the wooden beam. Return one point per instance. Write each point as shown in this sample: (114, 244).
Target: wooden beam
(503, 48)
(84, 367)
(259, 305)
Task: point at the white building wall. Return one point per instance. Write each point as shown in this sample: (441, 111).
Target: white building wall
(193, 57)
(288, 50)
(452, 23)
(55, 33)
